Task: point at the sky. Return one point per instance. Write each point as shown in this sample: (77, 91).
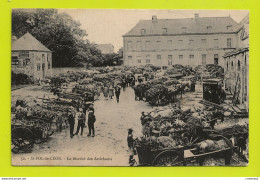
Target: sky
(107, 26)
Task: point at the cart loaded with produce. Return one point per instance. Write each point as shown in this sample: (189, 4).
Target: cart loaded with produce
(159, 91)
(174, 137)
(35, 124)
(29, 128)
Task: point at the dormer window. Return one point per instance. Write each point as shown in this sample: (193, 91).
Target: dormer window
(143, 31)
(209, 28)
(229, 27)
(164, 30)
(184, 29)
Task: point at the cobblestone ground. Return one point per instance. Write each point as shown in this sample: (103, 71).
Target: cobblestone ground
(113, 121)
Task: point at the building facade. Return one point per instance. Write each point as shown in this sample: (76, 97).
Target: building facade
(237, 67)
(31, 57)
(190, 41)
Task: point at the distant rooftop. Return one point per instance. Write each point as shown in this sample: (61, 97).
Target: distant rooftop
(28, 43)
(106, 48)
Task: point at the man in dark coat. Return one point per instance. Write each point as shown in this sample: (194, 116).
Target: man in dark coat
(91, 121)
(81, 122)
(71, 120)
(117, 92)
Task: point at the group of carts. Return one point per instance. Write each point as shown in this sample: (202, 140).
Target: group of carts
(32, 129)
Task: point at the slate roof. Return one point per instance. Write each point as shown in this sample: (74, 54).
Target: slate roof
(193, 26)
(105, 48)
(28, 43)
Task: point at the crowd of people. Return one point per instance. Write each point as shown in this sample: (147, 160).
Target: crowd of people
(81, 118)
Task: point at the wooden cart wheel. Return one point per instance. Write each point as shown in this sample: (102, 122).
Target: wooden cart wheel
(190, 139)
(169, 158)
(22, 138)
(38, 132)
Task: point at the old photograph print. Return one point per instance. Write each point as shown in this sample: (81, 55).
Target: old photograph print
(105, 87)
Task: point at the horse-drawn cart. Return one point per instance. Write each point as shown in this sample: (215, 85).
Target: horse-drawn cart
(28, 131)
(191, 149)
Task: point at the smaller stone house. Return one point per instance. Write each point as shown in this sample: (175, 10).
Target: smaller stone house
(237, 66)
(31, 57)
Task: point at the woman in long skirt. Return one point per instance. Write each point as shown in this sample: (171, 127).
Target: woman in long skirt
(105, 92)
(111, 92)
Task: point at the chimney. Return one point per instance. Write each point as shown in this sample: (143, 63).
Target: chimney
(196, 16)
(14, 38)
(154, 19)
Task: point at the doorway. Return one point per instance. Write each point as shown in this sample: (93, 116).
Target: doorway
(43, 70)
(216, 59)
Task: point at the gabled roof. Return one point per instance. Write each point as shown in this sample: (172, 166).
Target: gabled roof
(193, 26)
(243, 22)
(105, 48)
(28, 43)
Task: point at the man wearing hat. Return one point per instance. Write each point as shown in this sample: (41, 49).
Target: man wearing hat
(91, 121)
(71, 120)
(117, 92)
(81, 121)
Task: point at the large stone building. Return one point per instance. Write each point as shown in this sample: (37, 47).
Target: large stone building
(31, 57)
(190, 41)
(237, 67)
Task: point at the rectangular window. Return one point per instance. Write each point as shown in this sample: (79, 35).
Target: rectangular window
(139, 59)
(15, 60)
(138, 45)
(169, 44)
(159, 57)
(129, 57)
(215, 43)
(229, 27)
(229, 45)
(43, 57)
(216, 59)
(180, 43)
(158, 45)
(49, 65)
(164, 30)
(148, 59)
(180, 56)
(191, 42)
(203, 42)
(143, 31)
(129, 45)
(203, 60)
(147, 45)
(191, 56)
(209, 29)
(38, 66)
(169, 59)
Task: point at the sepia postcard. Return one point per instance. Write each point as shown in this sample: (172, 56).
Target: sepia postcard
(111, 87)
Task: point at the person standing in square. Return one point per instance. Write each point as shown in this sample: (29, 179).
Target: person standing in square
(91, 122)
